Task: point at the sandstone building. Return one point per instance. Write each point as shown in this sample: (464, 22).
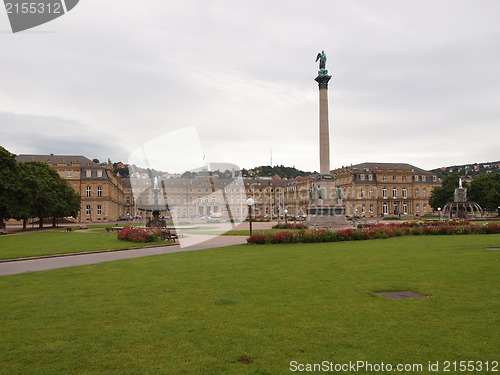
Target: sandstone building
(385, 189)
(368, 190)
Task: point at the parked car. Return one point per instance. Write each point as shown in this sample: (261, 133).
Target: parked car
(125, 218)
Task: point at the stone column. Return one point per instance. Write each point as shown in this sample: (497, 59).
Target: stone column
(324, 132)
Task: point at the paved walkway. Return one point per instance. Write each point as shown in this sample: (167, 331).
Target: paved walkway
(33, 265)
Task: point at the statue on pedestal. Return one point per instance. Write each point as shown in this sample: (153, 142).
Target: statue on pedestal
(322, 60)
(312, 192)
(320, 193)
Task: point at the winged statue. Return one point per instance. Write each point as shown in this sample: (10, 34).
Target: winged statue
(322, 60)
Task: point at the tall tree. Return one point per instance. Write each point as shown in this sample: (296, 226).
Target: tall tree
(9, 185)
(485, 190)
(443, 194)
(50, 195)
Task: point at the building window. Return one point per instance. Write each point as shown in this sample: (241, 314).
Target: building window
(371, 208)
(99, 191)
(385, 208)
(99, 173)
(370, 177)
(206, 199)
(384, 178)
(425, 207)
(128, 200)
(394, 193)
(370, 193)
(99, 209)
(384, 192)
(178, 200)
(403, 178)
(87, 210)
(199, 200)
(88, 173)
(88, 192)
(434, 178)
(363, 209)
(362, 177)
(68, 173)
(417, 194)
(404, 193)
(394, 178)
(405, 208)
(213, 199)
(362, 192)
(417, 208)
(416, 178)
(424, 193)
(423, 178)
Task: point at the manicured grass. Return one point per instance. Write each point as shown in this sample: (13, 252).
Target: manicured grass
(48, 243)
(200, 312)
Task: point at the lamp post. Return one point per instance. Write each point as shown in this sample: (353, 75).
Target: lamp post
(286, 217)
(250, 203)
(498, 210)
(439, 211)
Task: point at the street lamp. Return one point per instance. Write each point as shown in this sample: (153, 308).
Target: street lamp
(286, 212)
(439, 211)
(498, 210)
(250, 203)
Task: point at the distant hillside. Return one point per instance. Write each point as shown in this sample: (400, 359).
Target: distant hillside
(122, 169)
(469, 170)
(280, 170)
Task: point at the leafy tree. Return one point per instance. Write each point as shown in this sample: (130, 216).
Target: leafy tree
(443, 194)
(9, 185)
(485, 190)
(49, 194)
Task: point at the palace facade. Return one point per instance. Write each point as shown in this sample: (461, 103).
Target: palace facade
(385, 189)
(367, 189)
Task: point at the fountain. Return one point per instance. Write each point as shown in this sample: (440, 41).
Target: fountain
(460, 207)
(159, 204)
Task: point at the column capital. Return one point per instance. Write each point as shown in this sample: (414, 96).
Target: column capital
(323, 78)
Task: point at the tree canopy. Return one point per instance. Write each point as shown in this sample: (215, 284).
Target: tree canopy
(485, 190)
(443, 194)
(33, 189)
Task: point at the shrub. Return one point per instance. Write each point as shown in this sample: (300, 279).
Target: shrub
(299, 226)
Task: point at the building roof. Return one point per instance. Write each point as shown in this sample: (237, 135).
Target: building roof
(371, 167)
(56, 159)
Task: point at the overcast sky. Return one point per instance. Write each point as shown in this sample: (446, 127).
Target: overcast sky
(413, 81)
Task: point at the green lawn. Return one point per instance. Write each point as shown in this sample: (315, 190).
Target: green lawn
(48, 243)
(200, 312)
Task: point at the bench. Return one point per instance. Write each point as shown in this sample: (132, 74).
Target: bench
(169, 235)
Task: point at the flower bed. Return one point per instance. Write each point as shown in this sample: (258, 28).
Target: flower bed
(372, 231)
(139, 234)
